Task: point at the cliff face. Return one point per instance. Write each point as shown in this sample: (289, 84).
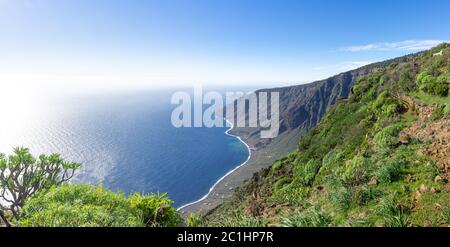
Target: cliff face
(303, 106)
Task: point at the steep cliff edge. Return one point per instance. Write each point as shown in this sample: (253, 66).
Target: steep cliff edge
(301, 108)
(378, 158)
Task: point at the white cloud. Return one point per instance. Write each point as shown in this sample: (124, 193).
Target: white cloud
(354, 65)
(407, 45)
(344, 66)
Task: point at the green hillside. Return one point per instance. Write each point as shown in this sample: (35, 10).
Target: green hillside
(377, 158)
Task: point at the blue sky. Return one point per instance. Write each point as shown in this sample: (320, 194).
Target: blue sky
(148, 44)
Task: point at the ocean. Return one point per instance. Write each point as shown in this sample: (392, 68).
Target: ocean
(125, 141)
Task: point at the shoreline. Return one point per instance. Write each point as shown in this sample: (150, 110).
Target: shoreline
(211, 189)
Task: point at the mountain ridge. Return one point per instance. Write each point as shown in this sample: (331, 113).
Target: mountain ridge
(301, 108)
(376, 158)
(313, 99)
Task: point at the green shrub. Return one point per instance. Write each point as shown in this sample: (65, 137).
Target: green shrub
(392, 214)
(385, 105)
(389, 110)
(278, 185)
(193, 220)
(446, 215)
(438, 113)
(311, 217)
(277, 165)
(245, 221)
(436, 86)
(305, 174)
(421, 76)
(155, 210)
(341, 198)
(352, 222)
(79, 205)
(354, 171)
(429, 79)
(331, 160)
(406, 80)
(291, 193)
(364, 194)
(332, 157)
(237, 219)
(439, 89)
(387, 137)
(87, 205)
(388, 171)
(447, 110)
(436, 64)
(23, 176)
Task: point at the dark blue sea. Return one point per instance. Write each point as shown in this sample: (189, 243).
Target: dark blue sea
(126, 142)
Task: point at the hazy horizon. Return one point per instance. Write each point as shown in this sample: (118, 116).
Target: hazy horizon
(89, 46)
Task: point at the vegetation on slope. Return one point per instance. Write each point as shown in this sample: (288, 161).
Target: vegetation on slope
(88, 205)
(33, 192)
(378, 159)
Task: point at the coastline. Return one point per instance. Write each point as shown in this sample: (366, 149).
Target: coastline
(211, 189)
